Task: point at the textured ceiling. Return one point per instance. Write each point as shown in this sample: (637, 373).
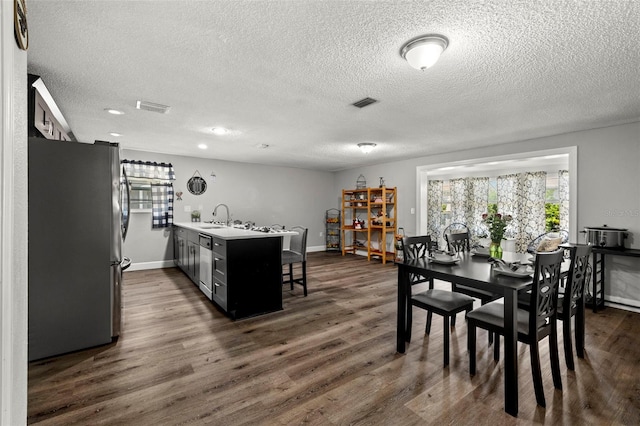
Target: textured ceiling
(285, 73)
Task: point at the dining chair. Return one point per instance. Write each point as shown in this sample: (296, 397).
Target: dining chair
(458, 242)
(461, 242)
(297, 253)
(571, 302)
(442, 302)
(533, 325)
(570, 299)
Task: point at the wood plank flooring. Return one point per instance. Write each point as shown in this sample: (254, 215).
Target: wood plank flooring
(327, 359)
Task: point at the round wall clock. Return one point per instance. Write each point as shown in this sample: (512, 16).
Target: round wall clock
(20, 23)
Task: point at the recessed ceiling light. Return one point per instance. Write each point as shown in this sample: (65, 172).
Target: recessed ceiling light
(202, 146)
(113, 111)
(219, 131)
(115, 134)
(263, 146)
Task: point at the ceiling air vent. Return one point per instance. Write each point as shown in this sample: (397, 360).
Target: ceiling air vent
(150, 106)
(364, 102)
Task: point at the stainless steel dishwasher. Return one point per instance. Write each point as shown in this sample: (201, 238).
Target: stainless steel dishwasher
(206, 258)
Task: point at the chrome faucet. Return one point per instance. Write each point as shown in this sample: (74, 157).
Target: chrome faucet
(215, 211)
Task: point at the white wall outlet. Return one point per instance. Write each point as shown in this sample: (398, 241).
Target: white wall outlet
(413, 210)
(200, 207)
(187, 209)
(321, 233)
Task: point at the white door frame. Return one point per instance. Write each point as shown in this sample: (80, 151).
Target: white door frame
(13, 224)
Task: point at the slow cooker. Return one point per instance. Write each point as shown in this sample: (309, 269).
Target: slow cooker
(603, 236)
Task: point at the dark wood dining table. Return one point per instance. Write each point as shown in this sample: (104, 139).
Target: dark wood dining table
(477, 272)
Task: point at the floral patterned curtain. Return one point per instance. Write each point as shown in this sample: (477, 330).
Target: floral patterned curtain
(459, 200)
(478, 200)
(435, 224)
(523, 196)
(563, 198)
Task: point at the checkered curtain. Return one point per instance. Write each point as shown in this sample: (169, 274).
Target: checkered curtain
(161, 193)
(162, 205)
(149, 170)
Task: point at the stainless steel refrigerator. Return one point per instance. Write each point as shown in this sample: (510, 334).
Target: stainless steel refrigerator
(78, 217)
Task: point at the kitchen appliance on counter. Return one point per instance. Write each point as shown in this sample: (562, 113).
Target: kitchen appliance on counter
(78, 215)
(605, 237)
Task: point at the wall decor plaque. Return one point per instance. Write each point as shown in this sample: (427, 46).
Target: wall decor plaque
(196, 184)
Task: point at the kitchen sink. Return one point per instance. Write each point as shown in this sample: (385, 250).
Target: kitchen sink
(211, 226)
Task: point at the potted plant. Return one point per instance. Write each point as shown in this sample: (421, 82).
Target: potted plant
(497, 224)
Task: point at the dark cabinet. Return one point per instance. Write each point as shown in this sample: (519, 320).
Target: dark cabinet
(193, 259)
(186, 252)
(220, 273)
(253, 276)
(246, 272)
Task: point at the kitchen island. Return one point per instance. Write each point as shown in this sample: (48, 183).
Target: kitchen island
(238, 269)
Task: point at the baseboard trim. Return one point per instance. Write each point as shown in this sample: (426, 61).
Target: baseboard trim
(622, 303)
(141, 266)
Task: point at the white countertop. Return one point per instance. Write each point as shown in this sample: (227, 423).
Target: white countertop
(230, 233)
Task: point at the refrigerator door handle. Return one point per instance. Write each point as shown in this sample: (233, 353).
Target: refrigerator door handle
(125, 225)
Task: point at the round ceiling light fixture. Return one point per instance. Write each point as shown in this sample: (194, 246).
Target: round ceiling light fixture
(422, 52)
(115, 134)
(219, 131)
(202, 146)
(366, 147)
(114, 111)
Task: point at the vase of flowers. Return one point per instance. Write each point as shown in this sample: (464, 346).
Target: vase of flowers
(497, 223)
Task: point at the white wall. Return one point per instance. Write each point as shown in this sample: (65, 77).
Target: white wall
(13, 224)
(262, 194)
(608, 189)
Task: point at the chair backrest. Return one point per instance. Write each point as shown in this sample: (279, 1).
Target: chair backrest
(544, 292)
(458, 242)
(416, 248)
(298, 241)
(578, 276)
(535, 243)
(456, 228)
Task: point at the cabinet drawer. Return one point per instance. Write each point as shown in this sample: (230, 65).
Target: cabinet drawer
(219, 268)
(219, 294)
(219, 246)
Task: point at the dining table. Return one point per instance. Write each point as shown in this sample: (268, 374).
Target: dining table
(477, 271)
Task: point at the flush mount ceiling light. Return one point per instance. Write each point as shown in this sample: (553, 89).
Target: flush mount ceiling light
(422, 52)
(113, 111)
(202, 146)
(115, 134)
(366, 147)
(219, 131)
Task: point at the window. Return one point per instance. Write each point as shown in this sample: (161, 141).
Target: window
(552, 205)
(140, 195)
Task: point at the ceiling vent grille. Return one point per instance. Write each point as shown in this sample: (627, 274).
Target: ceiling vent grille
(364, 102)
(150, 106)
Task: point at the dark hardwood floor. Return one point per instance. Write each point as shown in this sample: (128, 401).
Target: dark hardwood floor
(325, 359)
